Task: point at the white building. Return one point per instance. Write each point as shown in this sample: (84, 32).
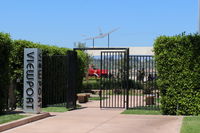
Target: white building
(132, 51)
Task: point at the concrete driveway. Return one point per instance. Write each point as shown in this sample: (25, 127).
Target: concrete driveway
(95, 120)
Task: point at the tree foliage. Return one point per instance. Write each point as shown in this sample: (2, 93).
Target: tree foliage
(5, 48)
(12, 61)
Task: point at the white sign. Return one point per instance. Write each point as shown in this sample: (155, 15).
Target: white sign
(32, 80)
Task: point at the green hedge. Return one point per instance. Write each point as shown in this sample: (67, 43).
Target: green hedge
(5, 47)
(16, 61)
(178, 65)
(17, 54)
(92, 84)
(11, 65)
(82, 69)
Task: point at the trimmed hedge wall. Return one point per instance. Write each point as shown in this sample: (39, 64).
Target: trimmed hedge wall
(17, 55)
(178, 65)
(17, 62)
(11, 62)
(5, 47)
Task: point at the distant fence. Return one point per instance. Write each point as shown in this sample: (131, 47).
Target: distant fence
(143, 92)
(138, 91)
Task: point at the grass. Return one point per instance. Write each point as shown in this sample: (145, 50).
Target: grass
(191, 124)
(10, 117)
(142, 112)
(55, 109)
(58, 108)
(97, 98)
(91, 78)
(147, 107)
(122, 94)
(90, 81)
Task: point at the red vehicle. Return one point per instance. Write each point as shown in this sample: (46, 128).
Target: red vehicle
(92, 71)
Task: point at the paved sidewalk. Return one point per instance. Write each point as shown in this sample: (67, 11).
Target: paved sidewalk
(95, 120)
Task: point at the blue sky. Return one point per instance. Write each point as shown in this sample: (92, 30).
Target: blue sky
(62, 22)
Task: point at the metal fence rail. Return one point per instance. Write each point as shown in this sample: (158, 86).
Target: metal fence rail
(57, 89)
(54, 80)
(113, 79)
(143, 91)
(127, 81)
(130, 83)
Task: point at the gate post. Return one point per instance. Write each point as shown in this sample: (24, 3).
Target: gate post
(71, 79)
(127, 79)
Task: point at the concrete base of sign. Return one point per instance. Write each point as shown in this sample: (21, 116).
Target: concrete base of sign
(23, 121)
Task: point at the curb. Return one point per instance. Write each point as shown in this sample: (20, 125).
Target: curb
(23, 121)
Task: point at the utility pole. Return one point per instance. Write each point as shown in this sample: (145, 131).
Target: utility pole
(108, 40)
(93, 42)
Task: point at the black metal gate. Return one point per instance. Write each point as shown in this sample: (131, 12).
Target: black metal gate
(127, 81)
(58, 85)
(130, 81)
(114, 75)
